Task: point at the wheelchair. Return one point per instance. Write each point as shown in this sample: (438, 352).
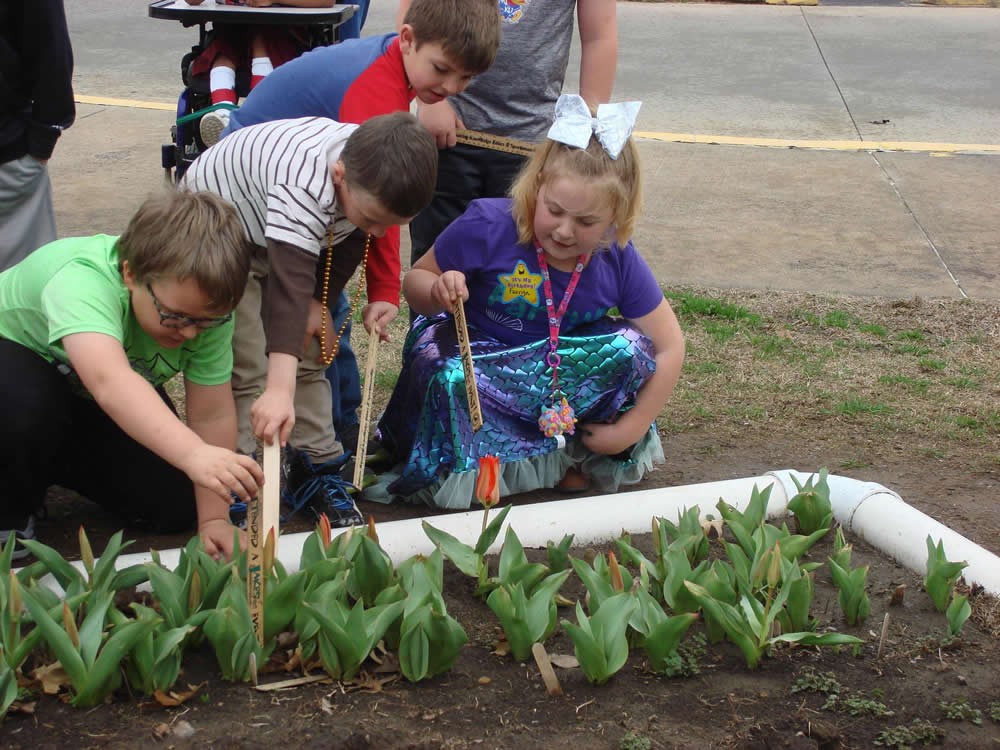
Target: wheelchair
(315, 27)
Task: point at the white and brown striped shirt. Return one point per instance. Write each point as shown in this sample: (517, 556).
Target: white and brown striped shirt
(278, 175)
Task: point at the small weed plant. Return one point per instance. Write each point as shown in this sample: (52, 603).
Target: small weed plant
(962, 710)
(811, 681)
(907, 736)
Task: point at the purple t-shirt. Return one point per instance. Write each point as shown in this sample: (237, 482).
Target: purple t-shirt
(506, 296)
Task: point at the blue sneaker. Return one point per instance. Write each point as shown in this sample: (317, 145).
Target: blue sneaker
(319, 489)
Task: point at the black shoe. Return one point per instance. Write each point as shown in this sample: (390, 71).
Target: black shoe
(320, 489)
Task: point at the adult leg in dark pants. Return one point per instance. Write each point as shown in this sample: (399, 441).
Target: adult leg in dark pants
(52, 435)
(35, 402)
(345, 380)
(343, 374)
(464, 173)
(110, 468)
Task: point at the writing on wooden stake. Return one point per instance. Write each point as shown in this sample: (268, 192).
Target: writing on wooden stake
(471, 392)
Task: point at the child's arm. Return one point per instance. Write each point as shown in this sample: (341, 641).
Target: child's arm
(441, 121)
(429, 291)
(125, 396)
(662, 328)
(211, 415)
(289, 294)
(598, 49)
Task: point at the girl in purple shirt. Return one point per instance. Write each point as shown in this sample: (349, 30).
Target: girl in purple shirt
(576, 351)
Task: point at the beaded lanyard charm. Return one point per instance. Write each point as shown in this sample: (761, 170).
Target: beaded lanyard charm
(558, 418)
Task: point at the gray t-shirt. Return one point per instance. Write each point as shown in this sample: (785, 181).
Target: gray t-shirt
(516, 97)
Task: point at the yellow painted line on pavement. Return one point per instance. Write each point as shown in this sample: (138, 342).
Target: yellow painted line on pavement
(732, 140)
(105, 101)
(727, 140)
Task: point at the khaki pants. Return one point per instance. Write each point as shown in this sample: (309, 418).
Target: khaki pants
(313, 431)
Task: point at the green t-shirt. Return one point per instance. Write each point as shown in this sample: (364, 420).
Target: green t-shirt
(74, 286)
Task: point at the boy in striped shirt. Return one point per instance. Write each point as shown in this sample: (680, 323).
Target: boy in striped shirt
(301, 187)
(441, 46)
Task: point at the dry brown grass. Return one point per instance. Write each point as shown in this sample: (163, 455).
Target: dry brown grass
(923, 371)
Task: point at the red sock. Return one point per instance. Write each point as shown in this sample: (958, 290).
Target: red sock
(254, 80)
(223, 95)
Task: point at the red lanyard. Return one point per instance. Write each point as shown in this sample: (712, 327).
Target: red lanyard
(556, 316)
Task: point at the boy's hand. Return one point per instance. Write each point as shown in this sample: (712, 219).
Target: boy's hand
(273, 415)
(441, 120)
(314, 326)
(217, 538)
(448, 289)
(379, 315)
(222, 471)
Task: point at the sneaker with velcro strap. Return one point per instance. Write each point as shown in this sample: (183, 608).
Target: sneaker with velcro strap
(322, 489)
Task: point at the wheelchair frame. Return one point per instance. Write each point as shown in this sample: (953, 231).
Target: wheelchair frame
(195, 99)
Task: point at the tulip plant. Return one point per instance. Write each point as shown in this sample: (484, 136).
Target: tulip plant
(599, 641)
(811, 505)
(942, 574)
(751, 624)
(850, 582)
(603, 581)
(230, 630)
(90, 657)
(957, 613)
(659, 634)
(347, 636)
(430, 639)
(101, 575)
(470, 560)
(527, 619)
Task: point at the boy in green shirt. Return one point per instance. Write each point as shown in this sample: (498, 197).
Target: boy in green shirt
(90, 330)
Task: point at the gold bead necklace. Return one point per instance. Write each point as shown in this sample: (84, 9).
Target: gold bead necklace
(325, 357)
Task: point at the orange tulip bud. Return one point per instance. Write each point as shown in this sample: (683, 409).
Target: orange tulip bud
(617, 584)
(323, 528)
(488, 482)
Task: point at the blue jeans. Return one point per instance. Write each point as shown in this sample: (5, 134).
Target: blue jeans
(352, 28)
(342, 374)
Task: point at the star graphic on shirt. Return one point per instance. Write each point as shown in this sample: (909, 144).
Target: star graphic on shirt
(521, 283)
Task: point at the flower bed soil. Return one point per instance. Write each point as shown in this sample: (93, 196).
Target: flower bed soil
(490, 701)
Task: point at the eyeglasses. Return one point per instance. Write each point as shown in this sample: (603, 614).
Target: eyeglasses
(176, 320)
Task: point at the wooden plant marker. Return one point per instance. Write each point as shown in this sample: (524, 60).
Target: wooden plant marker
(262, 535)
(364, 426)
(552, 686)
(271, 510)
(471, 392)
(255, 567)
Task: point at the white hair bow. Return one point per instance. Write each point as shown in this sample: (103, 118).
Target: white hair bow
(573, 124)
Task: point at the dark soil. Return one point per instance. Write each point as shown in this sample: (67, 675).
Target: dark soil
(489, 700)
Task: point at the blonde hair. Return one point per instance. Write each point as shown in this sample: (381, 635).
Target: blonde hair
(467, 30)
(179, 235)
(619, 178)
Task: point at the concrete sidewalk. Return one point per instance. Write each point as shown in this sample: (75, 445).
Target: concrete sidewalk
(823, 219)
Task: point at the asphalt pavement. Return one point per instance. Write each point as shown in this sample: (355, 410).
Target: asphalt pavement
(842, 149)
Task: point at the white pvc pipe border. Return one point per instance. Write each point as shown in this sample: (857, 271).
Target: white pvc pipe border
(865, 509)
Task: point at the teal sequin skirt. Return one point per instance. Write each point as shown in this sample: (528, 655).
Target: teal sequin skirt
(427, 430)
